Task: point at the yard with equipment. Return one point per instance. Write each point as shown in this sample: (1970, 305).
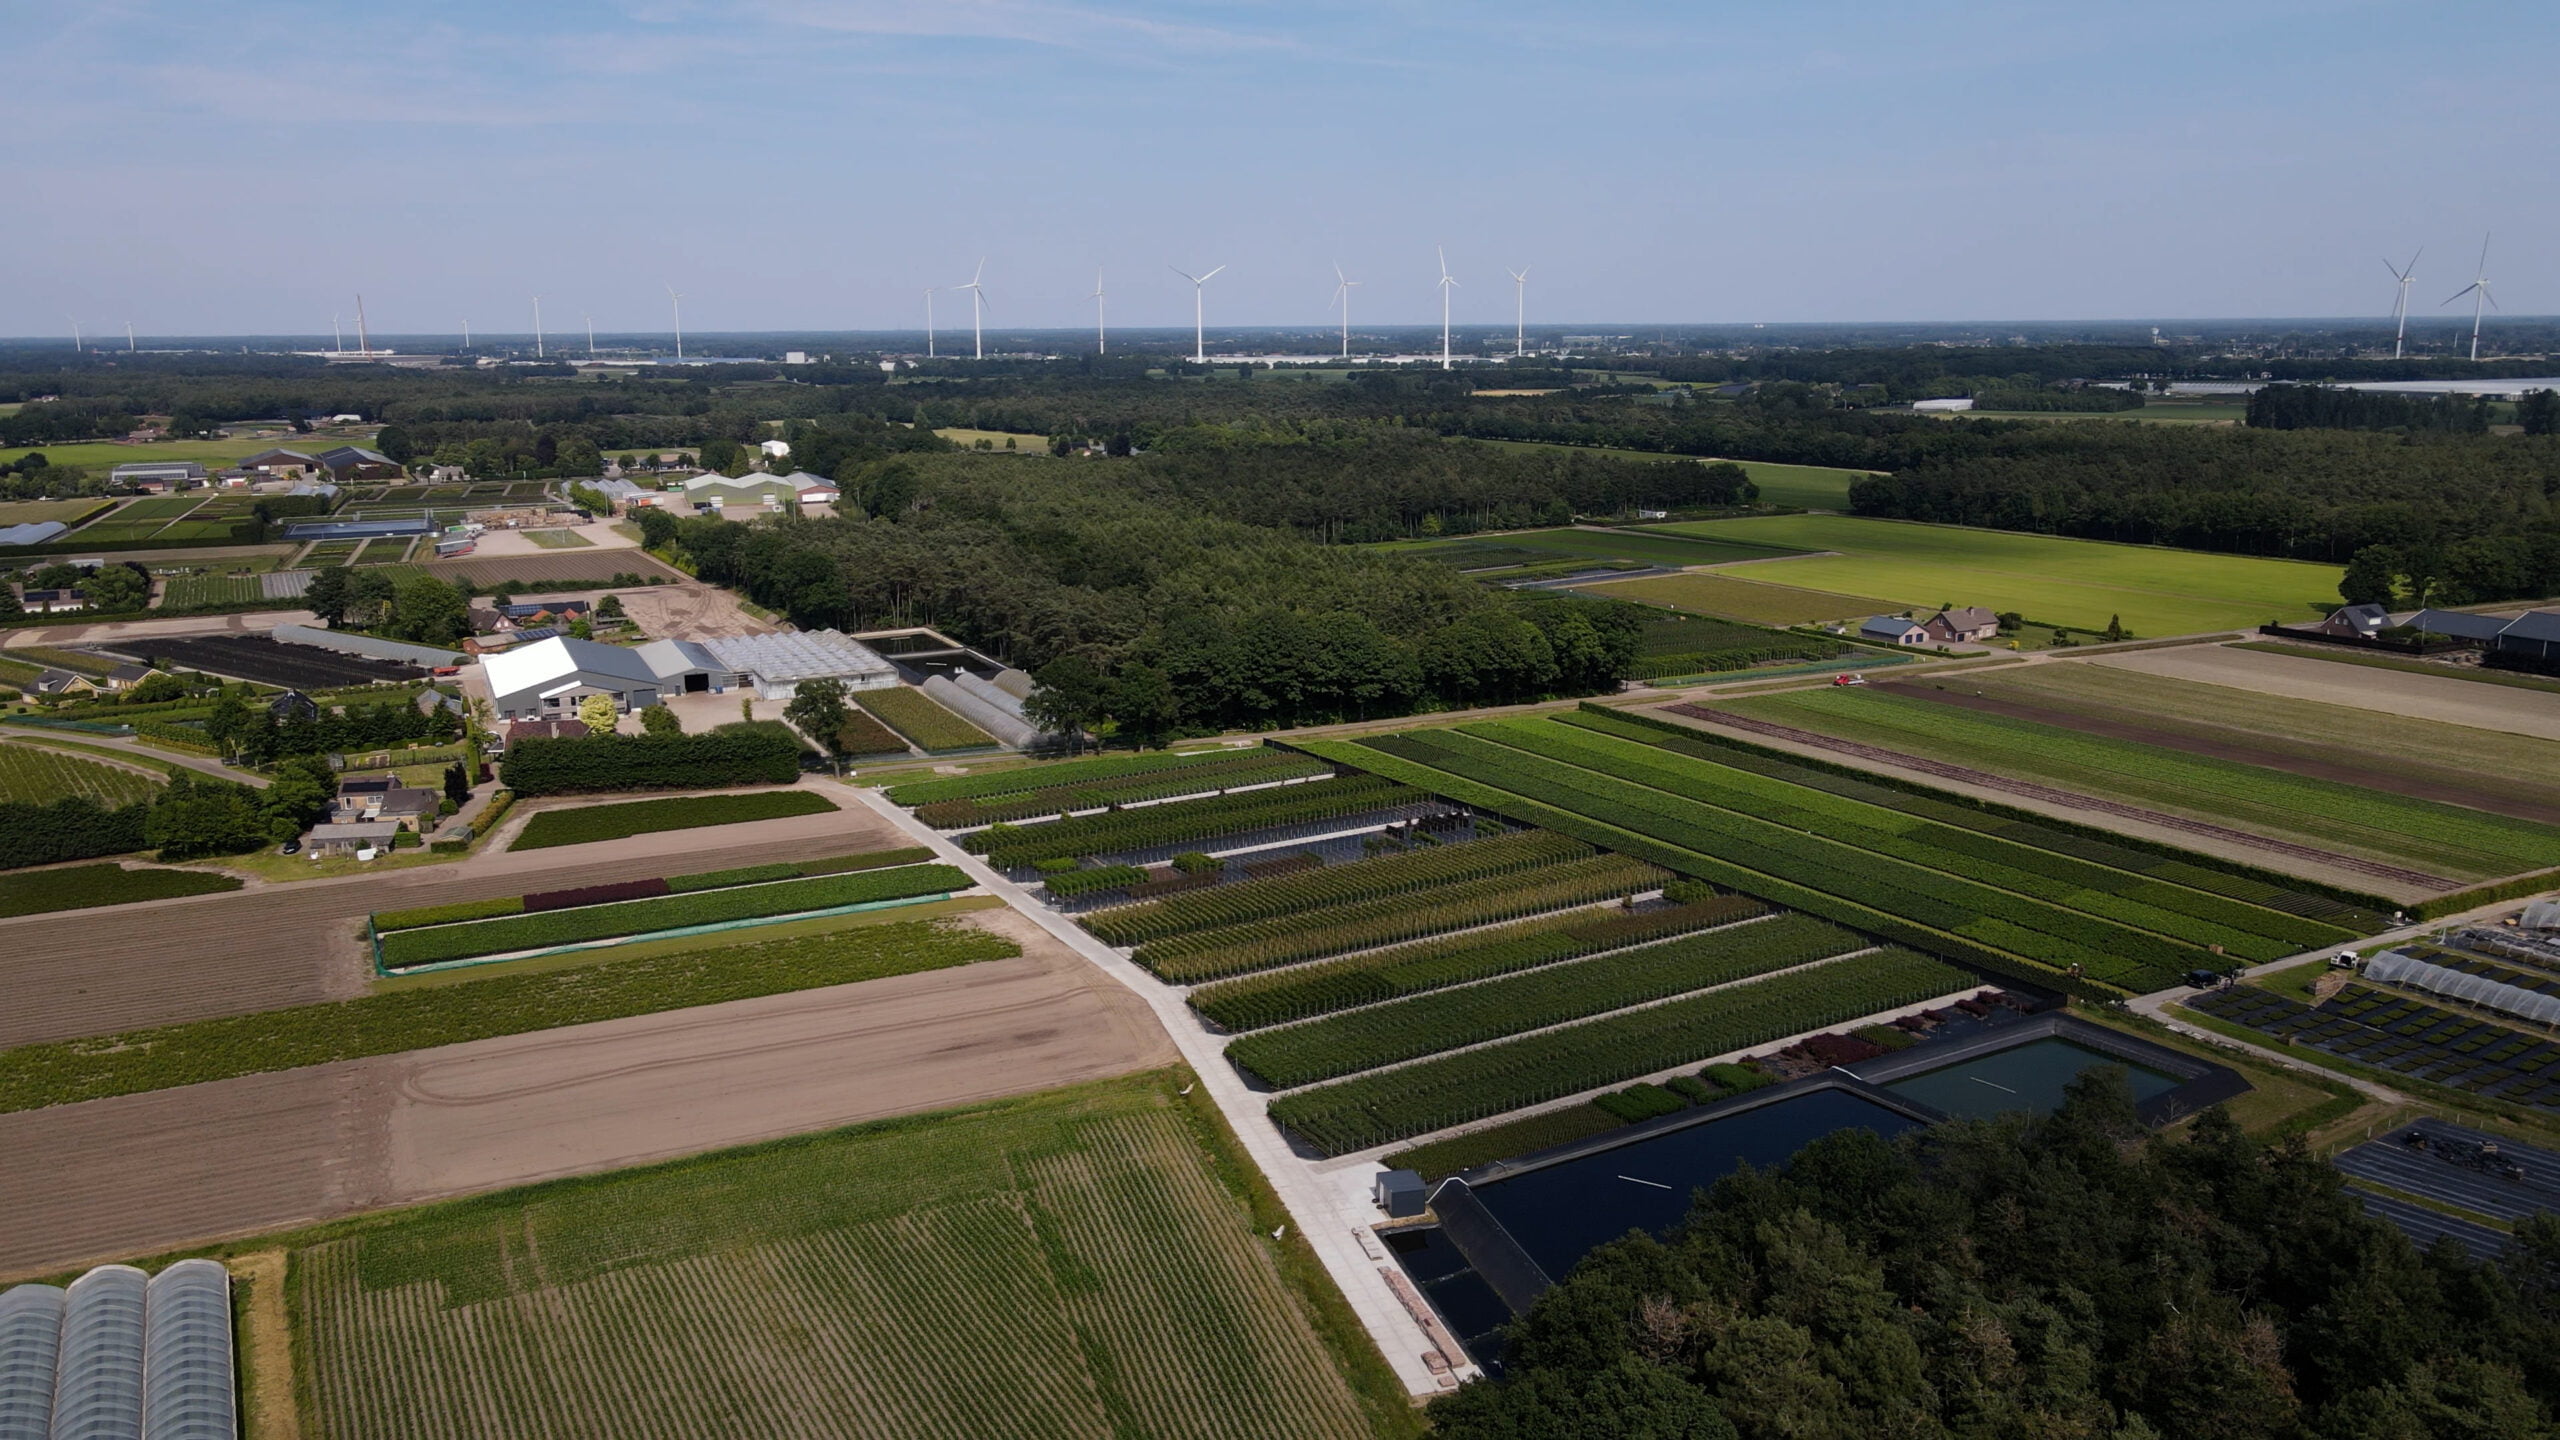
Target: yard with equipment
(2155, 591)
(1088, 1262)
(586, 823)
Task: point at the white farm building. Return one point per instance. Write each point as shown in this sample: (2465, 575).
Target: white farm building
(548, 678)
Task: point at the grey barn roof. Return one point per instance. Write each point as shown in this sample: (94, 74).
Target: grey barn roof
(794, 656)
(2459, 624)
(349, 643)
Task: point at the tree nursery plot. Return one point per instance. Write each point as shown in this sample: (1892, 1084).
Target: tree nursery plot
(39, 776)
(2080, 583)
(914, 715)
(2443, 839)
(1081, 1263)
(586, 823)
(84, 887)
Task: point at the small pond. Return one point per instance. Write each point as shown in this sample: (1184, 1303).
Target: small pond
(2027, 1077)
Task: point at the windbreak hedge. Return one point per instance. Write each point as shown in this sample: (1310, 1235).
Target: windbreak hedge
(84, 887)
(74, 827)
(405, 948)
(1049, 776)
(710, 760)
(642, 817)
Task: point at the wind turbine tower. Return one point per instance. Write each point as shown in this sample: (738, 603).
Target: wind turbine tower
(466, 334)
(364, 342)
(1448, 282)
(1199, 327)
(2400, 307)
(77, 345)
(591, 337)
(129, 346)
(337, 337)
(1101, 335)
(1342, 297)
(677, 302)
(537, 327)
(977, 311)
(2478, 290)
(928, 321)
(1519, 312)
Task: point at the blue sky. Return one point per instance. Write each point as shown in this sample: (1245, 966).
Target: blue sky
(244, 167)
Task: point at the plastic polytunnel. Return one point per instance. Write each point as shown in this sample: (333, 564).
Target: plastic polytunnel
(97, 1393)
(30, 1347)
(186, 1354)
(2395, 967)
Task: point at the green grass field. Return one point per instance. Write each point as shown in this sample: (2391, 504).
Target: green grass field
(1807, 487)
(41, 777)
(2445, 840)
(36, 512)
(558, 539)
(1737, 599)
(2158, 412)
(2080, 583)
(1089, 1262)
(1533, 546)
(1023, 444)
(104, 455)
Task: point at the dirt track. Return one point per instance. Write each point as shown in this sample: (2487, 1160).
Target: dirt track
(97, 972)
(145, 1173)
(2447, 699)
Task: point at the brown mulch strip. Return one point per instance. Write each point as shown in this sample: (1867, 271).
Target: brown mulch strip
(2065, 798)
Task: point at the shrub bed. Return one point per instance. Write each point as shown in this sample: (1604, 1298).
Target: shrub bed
(1210, 954)
(590, 823)
(86, 887)
(1050, 775)
(1529, 1134)
(1551, 995)
(861, 736)
(1009, 848)
(1068, 884)
(913, 714)
(1253, 767)
(403, 949)
(1258, 1000)
(1453, 1089)
(640, 889)
(1334, 885)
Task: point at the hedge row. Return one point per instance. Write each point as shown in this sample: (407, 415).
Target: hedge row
(74, 827)
(2032, 928)
(1252, 767)
(589, 823)
(1047, 776)
(85, 887)
(1453, 1089)
(460, 910)
(606, 894)
(1068, 884)
(1253, 1001)
(1312, 890)
(710, 760)
(1371, 924)
(403, 949)
(1551, 995)
(1180, 822)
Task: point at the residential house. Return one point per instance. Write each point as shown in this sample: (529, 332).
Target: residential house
(126, 676)
(1893, 630)
(385, 800)
(1969, 626)
(48, 602)
(293, 705)
(50, 681)
(2356, 622)
(546, 612)
(351, 837)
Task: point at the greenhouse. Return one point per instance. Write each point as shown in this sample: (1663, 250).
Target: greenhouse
(119, 1355)
(2398, 967)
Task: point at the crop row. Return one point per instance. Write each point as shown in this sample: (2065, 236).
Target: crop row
(1068, 884)
(1337, 885)
(2193, 872)
(424, 915)
(1454, 1089)
(1008, 847)
(1253, 1001)
(1552, 995)
(84, 887)
(2249, 931)
(913, 714)
(1246, 767)
(2444, 834)
(405, 948)
(1259, 946)
(583, 824)
(2013, 923)
(1054, 775)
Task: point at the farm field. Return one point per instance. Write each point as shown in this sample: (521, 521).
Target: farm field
(2401, 1035)
(104, 455)
(1959, 887)
(1676, 644)
(2080, 583)
(1093, 784)
(583, 824)
(558, 539)
(1807, 487)
(2448, 699)
(1183, 823)
(585, 568)
(2502, 768)
(1076, 1263)
(2445, 840)
(1726, 594)
(2337, 655)
(39, 776)
(188, 591)
(86, 887)
(1002, 441)
(36, 512)
(1525, 547)
(912, 714)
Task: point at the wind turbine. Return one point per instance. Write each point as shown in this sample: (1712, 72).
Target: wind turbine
(1519, 312)
(76, 345)
(2478, 290)
(129, 346)
(1448, 282)
(337, 337)
(466, 334)
(364, 341)
(677, 301)
(928, 320)
(1342, 296)
(1101, 337)
(2400, 309)
(591, 337)
(537, 327)
(977, 311)
(1199, 332)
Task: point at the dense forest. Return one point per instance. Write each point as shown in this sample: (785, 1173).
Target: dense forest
(2074, 1276)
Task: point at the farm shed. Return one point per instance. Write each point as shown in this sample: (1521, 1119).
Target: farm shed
(169, 474)
(186, 1354)
(550, 677)
(2398, 967)
(357, 529)
(354, 462)
(778, 663)
(279, 460)
(685, 667)
(371, 647)
(1892, 630)
(2535, 633)
(2458, 624)
(2541, 915)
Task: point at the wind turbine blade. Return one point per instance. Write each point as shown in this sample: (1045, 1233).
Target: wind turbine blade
(1185, 274)
(2394, 269)
(2458, 294)
(1212, 275)
(2491, 296)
